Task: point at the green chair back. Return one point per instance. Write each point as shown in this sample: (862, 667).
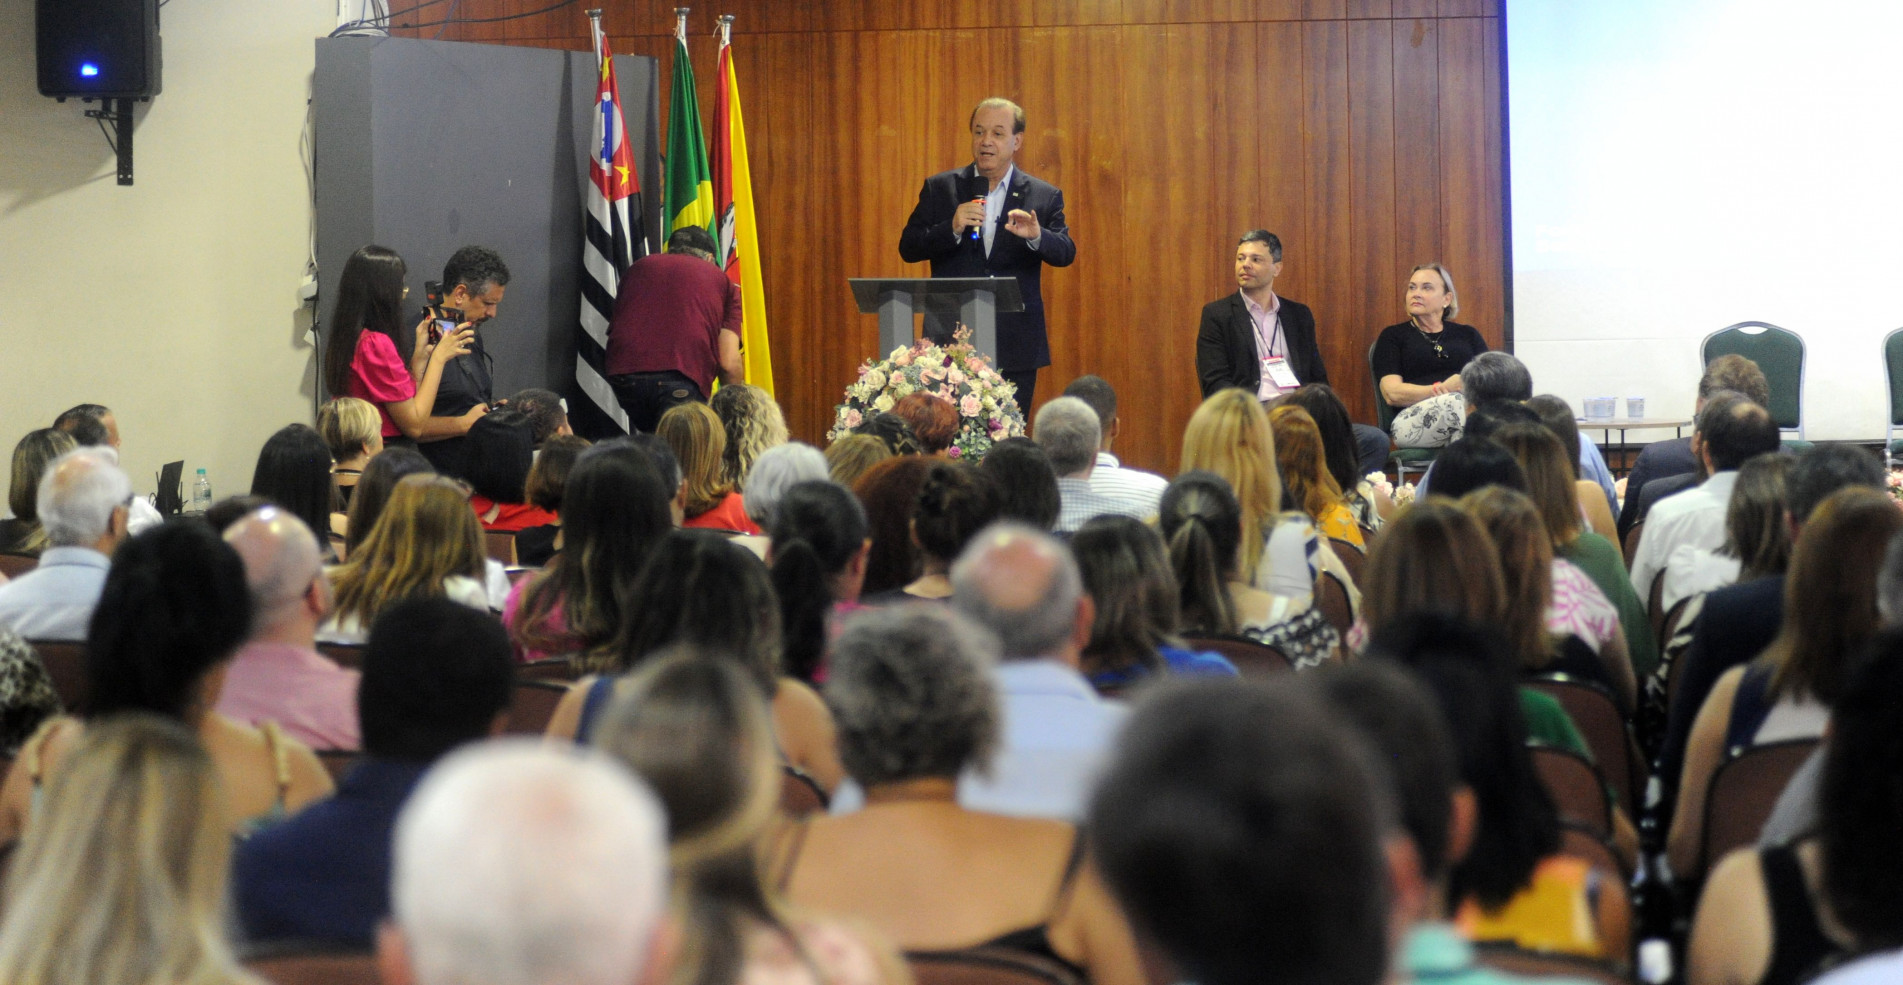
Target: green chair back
(1779, 353)
(1893, 373)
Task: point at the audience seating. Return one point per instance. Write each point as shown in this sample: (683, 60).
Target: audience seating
(1595, 712)
(1353, 558)
(500, 545)
(1654, 600)
(1779, 352)
(337, 762)
(65, 663)
(345, 654)
(1332, 598)
(518, 572)
(1253, 659)
(1673, 617)
(1577, 842)
(1742, 794)
(1631, 545)
(988, 966)
(1576, 788)
(532, 705)
(800, 794)
(1515, 961)
(15, 565)
(312, 963)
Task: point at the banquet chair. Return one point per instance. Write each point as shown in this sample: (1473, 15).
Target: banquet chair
(1779, 353)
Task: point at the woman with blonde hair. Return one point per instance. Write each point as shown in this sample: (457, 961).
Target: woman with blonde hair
(22, 534)
(1280, 553)
(354, 433)
(699, 441)
(425, 544)
(1305, 475)
(853, 455)
(697, 731)
(125, 880)
(1417, 363)
(753, 422)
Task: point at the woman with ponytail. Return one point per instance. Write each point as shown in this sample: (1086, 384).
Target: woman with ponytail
(820, 544)
(1202, 523)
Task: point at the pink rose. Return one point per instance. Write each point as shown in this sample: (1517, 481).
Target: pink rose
(851, 418)
(970, 406)
(956, 377)
(953, 452)
(903, 359)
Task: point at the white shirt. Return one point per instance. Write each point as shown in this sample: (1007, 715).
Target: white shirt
(1111, 490)
(1883, 968)
(1692, 570)
(1695, 517)
(55, 600)
(995, 208)
(1054, 741)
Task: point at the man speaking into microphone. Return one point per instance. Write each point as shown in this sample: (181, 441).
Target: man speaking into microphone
(991, 219)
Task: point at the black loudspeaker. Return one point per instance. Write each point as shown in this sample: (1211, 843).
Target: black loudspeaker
(98, 48)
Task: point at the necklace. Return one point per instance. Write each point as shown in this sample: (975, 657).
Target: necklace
(1433, 339)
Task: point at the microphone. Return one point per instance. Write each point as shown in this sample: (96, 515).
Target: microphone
(977, 231)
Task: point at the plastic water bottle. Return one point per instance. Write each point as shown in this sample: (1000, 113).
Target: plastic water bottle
(201, 493)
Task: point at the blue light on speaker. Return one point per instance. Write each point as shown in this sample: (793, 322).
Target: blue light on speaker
(88, 69)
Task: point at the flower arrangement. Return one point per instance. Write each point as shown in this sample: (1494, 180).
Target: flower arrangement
(1894, 485)
(987, 405)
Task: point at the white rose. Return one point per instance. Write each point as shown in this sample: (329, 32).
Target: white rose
(884, 403)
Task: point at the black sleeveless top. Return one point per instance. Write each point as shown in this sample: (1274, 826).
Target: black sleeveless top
(1798, 945)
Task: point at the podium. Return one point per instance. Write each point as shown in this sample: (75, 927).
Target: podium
(944, 301)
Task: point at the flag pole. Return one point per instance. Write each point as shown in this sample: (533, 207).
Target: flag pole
(594, 28)
(680, 23)
(726, 29)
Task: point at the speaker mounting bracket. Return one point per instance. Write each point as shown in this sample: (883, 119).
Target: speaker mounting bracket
(119, 111)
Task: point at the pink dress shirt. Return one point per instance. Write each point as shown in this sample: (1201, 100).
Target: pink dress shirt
(305, 692)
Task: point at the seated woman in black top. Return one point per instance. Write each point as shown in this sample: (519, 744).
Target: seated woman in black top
(1417, 363)
(1772, 916)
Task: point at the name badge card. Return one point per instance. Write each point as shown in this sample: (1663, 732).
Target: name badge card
(1278, 371)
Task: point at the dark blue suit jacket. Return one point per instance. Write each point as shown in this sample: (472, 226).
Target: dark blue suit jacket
(324, 873)
(1022, 344)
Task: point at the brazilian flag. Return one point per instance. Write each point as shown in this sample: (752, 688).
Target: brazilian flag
(690, 184)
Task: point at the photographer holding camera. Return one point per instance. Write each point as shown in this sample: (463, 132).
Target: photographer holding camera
(470, 291)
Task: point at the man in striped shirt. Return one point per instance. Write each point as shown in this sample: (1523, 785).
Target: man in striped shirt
(1071, 432)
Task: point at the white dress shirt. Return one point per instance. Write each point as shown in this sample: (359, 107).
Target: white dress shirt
(1111, 490)
(1695, 518)
(55, 601)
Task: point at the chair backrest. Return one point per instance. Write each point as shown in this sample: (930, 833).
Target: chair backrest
(1779, 352)
(1352, 558)
(518, 572)
(65, 663)
(563, 669)
(532, 704)
(987, 966)
(1575, 786)
(800, 794)
(1596, 714)
(1595, 850)
(1654, 611)
(313, 964)
(1631, 544)
(345, 654)
(15, 565)
(1253, 659)
(337, 762)
(500, 545)
(1541, 964)
(1383, 411)
(1332, 598)
(1742, 793)
(1893, 373)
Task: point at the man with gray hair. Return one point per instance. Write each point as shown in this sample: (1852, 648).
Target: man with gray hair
(1070, 432)
(279, 676)
(84, 503)
(517, 863)
(1023, 586)
(1109, 479)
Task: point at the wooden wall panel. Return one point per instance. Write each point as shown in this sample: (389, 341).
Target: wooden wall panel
(1365, 133)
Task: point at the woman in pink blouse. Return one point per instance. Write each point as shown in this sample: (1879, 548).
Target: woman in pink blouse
(361, 358)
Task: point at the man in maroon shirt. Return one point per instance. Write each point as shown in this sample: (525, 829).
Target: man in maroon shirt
(676, 329)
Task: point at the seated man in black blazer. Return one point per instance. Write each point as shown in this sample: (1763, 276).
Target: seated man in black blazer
(1265, 344)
